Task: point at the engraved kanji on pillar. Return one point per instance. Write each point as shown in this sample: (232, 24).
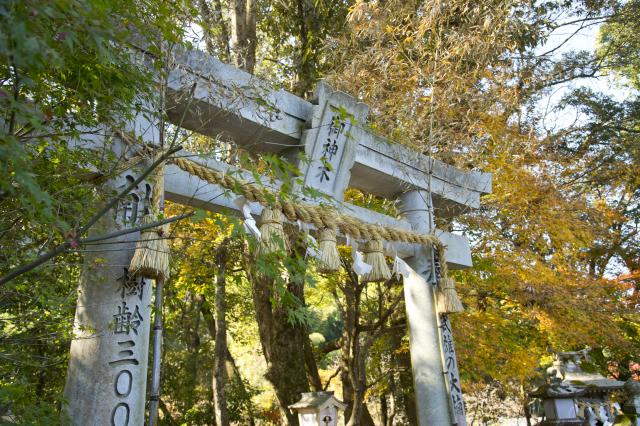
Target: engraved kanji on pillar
(106, 380)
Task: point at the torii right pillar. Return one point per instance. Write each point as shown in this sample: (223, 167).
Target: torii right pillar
(435, 371)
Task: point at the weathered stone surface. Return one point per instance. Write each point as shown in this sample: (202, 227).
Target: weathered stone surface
(231, 102)
(452, 373)
(386, 168)
(432, 397)
(106, 381)
(107, 374)
(331, 140)
(184, 188)
(631, 406)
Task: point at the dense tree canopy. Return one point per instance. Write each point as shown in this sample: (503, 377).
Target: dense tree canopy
(556, 245)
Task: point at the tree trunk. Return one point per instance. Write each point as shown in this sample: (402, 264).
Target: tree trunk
(360, 415)
(392, 402)
(233, 373)
(306, 53)
(243, 34)
(282, 341)
(525, 405)
(191, 321)
(219, 373)
(353, 357)
(356, 376)
(349, 332)
(282, 344)
(384, 410)
(216, 43)
(312, 366)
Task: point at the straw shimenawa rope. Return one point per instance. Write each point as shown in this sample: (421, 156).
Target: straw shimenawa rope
(319, 216)
(272, 237)
(322, 217)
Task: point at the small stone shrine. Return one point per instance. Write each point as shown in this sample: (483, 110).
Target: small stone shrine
(318, 409)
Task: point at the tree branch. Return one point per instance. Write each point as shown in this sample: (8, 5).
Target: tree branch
(135, 229)
(67, 244)
(335, 373)
(329, 346)
(128, 189)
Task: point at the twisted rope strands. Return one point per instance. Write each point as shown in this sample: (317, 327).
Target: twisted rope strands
(157, 193)
(319, 216)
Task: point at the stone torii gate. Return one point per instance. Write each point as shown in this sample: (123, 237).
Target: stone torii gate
(106, 379)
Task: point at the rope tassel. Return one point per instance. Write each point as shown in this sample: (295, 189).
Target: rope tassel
(448, 300)
(151, 257)
(329, 258)
(272, 238)
(373, 256)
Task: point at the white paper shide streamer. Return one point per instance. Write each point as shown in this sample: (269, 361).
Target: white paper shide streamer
(400, 268)
(360, 267)
(312, 245)
(250, 226)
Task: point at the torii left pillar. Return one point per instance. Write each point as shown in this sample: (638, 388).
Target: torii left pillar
(107, 374)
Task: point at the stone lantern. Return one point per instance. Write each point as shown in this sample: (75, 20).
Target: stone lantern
(594, 406)
(318, 409)
(558, 400)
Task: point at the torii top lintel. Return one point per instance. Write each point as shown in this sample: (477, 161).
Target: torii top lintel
(232, 102)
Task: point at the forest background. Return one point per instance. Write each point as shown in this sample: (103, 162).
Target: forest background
(555, 246)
